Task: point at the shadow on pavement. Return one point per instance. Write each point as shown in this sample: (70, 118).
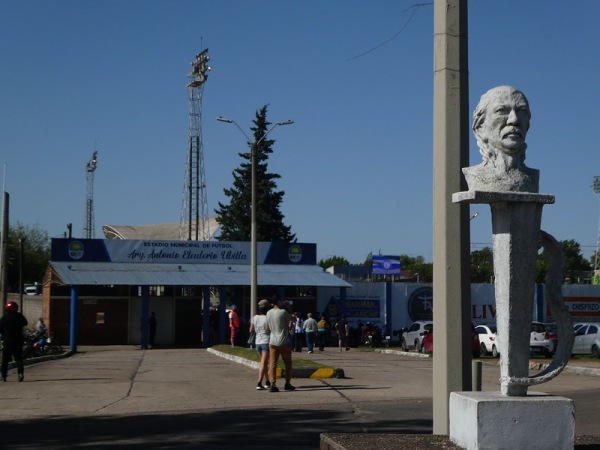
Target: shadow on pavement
(248, 429)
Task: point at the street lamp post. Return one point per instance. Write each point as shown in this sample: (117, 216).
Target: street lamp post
(253, 226)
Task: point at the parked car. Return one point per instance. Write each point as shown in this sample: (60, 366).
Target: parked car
(578, 325)
(427, 342)
(552, 332)
(540, 342)
(587, 340)
(412, 338)
(488, 338)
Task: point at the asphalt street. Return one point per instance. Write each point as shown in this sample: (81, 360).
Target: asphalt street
(189, 398)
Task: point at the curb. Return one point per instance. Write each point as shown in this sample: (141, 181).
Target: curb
(41, 359)
(587, 371)
(301, 372)
(400, 352)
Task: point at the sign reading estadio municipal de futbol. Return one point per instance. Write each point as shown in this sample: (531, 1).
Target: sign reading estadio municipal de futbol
(180, 252)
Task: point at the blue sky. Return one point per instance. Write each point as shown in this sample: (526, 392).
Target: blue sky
(355, 76)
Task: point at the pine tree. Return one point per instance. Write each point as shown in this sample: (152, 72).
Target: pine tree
(235, 218)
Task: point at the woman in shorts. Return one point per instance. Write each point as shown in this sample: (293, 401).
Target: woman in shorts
(258, 325)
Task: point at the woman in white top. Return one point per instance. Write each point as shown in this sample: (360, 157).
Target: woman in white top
(258, 325)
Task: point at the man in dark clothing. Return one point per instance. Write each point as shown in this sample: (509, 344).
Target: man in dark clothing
(152, 328)
(11, 329)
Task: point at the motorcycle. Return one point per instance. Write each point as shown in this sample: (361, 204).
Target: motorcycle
(40, 344)
(374, 336)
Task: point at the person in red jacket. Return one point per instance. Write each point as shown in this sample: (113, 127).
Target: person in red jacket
(11, 329)
(234, 324)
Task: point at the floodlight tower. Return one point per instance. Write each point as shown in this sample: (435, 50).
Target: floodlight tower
(193, 225)
(88, 222)
(596, 187)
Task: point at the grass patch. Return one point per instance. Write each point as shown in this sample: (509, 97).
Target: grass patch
(251, 355)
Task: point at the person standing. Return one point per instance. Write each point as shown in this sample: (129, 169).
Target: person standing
(292, 330)
(259, 326)
(11, 329)
(343, 332)
(40, 327)
(322, 333)
(234, 324)
(310, 329)
(152, 329)
(299, 333)
(278, 319)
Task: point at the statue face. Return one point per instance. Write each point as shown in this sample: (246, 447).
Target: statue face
(506, 121)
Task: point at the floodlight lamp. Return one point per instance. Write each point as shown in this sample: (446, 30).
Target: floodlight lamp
(223, 119)
(287, 122)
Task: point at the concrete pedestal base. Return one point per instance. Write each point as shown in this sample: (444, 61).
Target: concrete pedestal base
(490, 420)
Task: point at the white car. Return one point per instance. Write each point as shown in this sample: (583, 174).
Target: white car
(413, 337)
(540, 342)
(489, 340)
(587, 340)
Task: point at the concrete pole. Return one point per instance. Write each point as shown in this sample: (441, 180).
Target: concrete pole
(451, 259)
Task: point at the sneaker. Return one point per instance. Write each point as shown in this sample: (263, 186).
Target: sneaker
(260, 387)
(267, 384)
(289, 387)
(21, 377)
(274, 388)
(309, 352)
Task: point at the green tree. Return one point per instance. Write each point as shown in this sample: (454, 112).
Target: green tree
(36, 254)
(333, 261)
(235, 217)
(482, 265)
(575, 263)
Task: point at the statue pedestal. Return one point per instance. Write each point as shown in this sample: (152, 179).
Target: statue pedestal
(516, 219)
(490, 420)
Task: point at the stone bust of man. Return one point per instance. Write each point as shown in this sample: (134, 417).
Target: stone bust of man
(500, 124)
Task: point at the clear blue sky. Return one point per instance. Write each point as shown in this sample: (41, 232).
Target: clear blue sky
(355, 76)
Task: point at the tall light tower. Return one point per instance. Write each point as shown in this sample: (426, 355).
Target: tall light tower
(193, 225)
(88, 221)
(596, 187)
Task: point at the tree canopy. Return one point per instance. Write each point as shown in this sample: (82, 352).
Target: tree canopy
(333, 261)
(235, 218)
(36, 254)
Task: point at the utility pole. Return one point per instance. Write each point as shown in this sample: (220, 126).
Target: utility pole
(451, 285)
(596, 262)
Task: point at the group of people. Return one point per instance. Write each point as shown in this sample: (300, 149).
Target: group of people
(278, 332)
(271, 325)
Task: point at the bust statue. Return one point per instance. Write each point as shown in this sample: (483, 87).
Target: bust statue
(500, 124)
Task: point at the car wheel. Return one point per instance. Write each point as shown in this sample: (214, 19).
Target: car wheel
(403, 345)
(495, 353)
(483, 349)
(417, 345)
(595, 351)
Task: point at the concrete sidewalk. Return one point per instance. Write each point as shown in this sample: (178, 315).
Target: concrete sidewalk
(192, 399)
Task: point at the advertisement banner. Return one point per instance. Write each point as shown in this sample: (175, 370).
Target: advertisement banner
(386, 265)
(180, 252)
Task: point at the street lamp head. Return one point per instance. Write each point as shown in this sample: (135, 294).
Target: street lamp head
(287, 122)
(223, 119)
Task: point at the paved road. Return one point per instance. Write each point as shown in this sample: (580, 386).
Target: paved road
(190, 398)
